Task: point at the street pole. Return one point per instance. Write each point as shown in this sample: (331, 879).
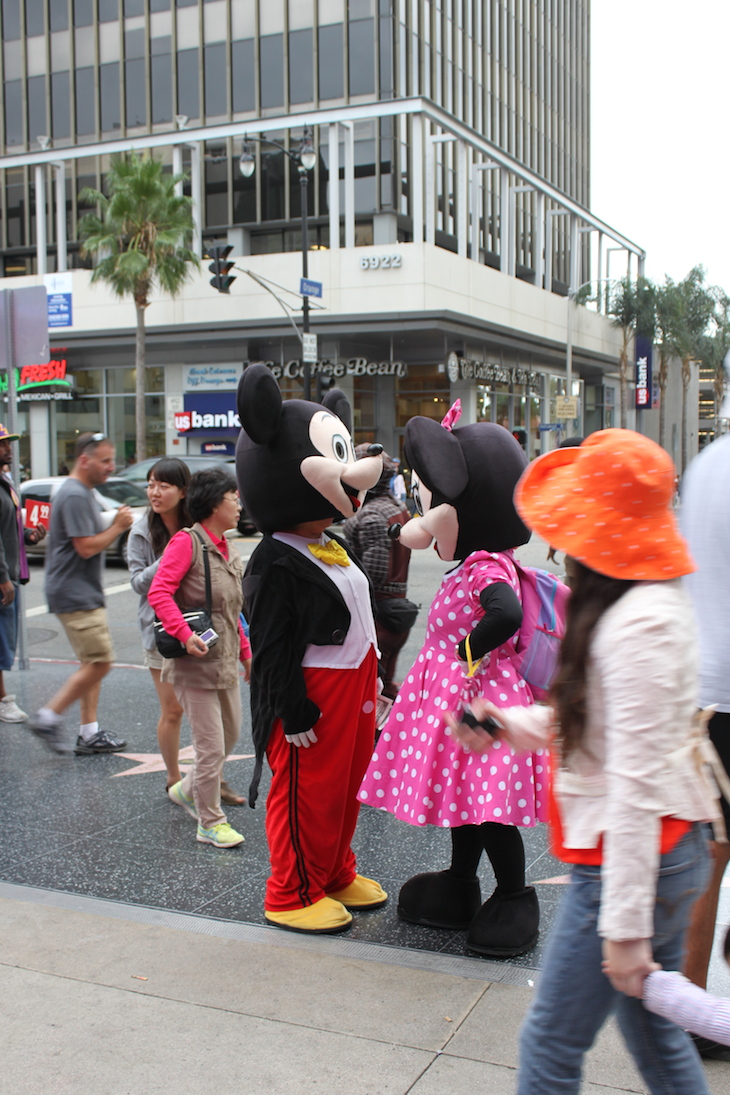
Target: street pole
(303, 189)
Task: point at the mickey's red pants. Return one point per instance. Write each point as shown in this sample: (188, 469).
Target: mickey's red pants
(312, 809)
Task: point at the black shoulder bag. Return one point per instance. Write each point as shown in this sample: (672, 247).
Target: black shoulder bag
(198, 619)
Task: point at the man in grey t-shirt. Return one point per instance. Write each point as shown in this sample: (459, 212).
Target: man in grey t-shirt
(75, 593)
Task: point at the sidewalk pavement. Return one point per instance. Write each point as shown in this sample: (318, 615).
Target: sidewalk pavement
(101, 998)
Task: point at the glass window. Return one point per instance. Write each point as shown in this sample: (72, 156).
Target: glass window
(273, 175)
(34, 21)
(85, 112)
(134, 43)
(134, 7)
(187, 3)
(109, 95)
(61, 103)
(272, 70)
(244, 198)
(37, 121)
(386, 57)
(216, 184)
(15, 206)
(424, 391)
(362, 56)
(108, 11)
(159, 5)
(122, 381)
(83, 13)
(14, 112)
(301, 66)
(136, 99)
(85, 53)
(244, 75)
(58, 11)
(11, 20)
(121, 427)
(331, 68)
(161, 79)
(188, 100)
(215, 80)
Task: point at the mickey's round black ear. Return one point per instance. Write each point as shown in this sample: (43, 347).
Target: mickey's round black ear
(436, 456)
(259, 403)
(336, 401)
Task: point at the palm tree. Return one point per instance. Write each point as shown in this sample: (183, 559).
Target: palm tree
(632, 309)
(692, 317)
(140, 242)
(667, 311)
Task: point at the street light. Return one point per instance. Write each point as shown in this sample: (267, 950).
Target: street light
(305, 158)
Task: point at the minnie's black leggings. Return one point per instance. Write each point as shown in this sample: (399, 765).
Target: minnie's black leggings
(503, 845)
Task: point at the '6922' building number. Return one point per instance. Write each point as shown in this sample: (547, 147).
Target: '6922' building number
(381, 262)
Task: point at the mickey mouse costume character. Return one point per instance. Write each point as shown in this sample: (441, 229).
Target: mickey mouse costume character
(314, 671)
(463, 479)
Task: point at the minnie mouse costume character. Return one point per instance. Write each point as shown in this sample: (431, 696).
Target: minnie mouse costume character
(463, 479)
(314, 671)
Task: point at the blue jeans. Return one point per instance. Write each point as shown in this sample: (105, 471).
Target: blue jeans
(574, 998)
(8, 633)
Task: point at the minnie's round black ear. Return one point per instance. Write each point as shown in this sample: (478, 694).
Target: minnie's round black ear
(436, 456)
(259, 403)
(337, 402)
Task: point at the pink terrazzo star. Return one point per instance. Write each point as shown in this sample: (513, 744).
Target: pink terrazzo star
(153, 762)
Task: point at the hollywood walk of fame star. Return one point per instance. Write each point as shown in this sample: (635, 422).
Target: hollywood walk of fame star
(153, 762)
(558, 880)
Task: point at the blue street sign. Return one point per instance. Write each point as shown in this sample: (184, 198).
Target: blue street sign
(309, 288)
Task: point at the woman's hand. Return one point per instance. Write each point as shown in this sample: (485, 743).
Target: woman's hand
(246, 663)
(195, 646)
(627, 964)
(475, 738)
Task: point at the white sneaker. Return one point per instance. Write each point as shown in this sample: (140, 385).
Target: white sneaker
(10, 712)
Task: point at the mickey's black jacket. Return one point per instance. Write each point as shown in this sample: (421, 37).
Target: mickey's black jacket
(289, 602)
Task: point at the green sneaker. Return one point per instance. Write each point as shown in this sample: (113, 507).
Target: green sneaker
(222, 835)
(177, 795)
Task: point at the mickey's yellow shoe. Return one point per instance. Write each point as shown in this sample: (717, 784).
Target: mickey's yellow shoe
(325, 917)
(362, 893)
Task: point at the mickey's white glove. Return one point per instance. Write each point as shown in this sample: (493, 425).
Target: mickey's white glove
(306, 739)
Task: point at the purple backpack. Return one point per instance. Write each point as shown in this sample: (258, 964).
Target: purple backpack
(544, 605)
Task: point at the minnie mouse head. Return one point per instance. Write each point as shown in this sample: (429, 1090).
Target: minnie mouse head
(462, 482)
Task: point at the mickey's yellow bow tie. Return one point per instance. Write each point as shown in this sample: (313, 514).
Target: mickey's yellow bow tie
(331, 552)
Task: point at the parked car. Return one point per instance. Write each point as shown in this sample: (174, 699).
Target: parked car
(109, 497)
(137, 473)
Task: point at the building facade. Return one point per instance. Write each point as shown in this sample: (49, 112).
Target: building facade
(448, 208)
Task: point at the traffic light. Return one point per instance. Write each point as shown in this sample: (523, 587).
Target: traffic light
(219, 267)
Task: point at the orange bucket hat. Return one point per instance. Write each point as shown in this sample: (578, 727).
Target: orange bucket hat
(607, 504)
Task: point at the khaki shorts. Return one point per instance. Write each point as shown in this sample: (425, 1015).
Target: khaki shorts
(89, 635)
(153, 659)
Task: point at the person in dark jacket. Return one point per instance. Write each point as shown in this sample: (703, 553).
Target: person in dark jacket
(386, 561)
(13, 571)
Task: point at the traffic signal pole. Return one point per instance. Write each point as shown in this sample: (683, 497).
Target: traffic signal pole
(303, 190)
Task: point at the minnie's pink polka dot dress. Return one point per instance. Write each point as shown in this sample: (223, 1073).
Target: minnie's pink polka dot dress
(418, 771)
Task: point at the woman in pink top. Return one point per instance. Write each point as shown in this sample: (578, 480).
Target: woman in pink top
(205, 680)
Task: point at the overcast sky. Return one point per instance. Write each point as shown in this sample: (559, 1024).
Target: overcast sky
(660, 87)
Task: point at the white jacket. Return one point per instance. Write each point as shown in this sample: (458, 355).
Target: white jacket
(637, 762)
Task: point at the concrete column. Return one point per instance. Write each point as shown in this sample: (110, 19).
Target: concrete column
(177, 167)
(385, 228)
(333, 199)
(417, 141)
(504, 202)
(462, 207)
(61, 253)
(349, 184)
(39, 429)
(196, 187)
(538, 245)
(466, 391)
(40, 219)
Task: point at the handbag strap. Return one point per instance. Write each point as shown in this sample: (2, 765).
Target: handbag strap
(206, 565)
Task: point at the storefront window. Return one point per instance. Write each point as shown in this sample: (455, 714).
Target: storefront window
(122, 381)
(122, 430)
(74, 416)
(364, 416)
(424, 391)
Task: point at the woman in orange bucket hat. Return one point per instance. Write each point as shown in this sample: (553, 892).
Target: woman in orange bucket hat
(628, 796)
